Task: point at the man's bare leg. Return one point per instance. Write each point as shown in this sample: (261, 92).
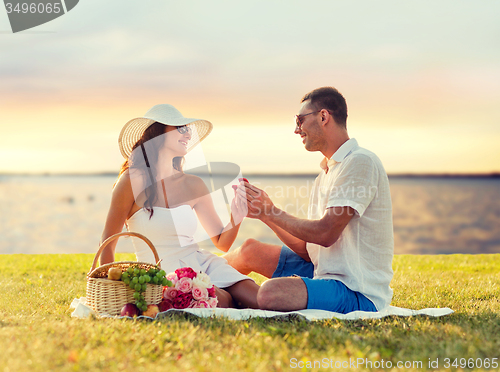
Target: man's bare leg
(255, 256)
(283, 294)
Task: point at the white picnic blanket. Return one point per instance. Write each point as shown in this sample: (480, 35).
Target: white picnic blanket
(81, 310)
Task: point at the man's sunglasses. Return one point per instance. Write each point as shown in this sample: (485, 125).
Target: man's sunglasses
(299, 118)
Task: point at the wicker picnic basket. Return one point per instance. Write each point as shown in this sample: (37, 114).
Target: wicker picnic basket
(106, 296)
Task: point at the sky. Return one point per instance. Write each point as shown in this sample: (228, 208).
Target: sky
(421, 80)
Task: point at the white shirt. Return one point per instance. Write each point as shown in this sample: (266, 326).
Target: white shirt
(361, 258)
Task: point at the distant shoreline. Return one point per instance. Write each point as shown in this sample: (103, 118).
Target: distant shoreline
(493, 175)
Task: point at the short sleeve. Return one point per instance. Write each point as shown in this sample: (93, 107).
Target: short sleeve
(356, 184)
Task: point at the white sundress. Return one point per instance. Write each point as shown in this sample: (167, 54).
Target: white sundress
(171, 231)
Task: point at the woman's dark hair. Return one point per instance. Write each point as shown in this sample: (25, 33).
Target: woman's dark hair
(147, 164)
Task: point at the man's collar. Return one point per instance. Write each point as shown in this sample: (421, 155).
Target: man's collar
(339, 155)
(344, 150)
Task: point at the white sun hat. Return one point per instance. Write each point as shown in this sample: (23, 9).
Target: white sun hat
(164, 114)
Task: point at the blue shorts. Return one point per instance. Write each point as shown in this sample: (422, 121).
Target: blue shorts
(340, 299)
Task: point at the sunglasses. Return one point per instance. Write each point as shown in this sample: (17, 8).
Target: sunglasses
(298, 118)
(184, 129)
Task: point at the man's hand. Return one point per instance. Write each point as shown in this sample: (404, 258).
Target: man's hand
(258, 202)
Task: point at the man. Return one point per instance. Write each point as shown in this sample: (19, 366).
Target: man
(340, 258)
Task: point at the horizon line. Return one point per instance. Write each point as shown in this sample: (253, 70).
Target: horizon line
(266, 175)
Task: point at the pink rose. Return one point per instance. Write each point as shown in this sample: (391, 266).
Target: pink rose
(172, 277)
(200, 293)
(170, 293)
(212, 302)
(184, 284)
(211, 291)
(185, 272)
(182, 301)
(201, 304)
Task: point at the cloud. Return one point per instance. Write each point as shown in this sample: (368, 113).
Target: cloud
(399, 64)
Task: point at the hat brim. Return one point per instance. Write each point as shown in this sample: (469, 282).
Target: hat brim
(133, 130)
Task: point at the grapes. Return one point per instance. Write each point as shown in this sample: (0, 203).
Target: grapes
(137, 279)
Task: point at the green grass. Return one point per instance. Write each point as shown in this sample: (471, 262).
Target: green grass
(38, 334)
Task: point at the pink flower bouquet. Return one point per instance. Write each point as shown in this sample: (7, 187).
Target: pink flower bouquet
(189, 289)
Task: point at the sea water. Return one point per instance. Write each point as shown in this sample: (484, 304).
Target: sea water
(66, 214)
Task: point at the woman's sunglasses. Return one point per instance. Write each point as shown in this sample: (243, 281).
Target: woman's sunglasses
(185, 129)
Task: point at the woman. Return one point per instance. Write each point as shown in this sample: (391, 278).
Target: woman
(153, 197)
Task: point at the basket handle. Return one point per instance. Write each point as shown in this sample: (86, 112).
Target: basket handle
(116, 236)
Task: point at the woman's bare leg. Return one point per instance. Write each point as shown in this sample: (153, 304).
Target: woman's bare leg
(224, 299)
(244, 294)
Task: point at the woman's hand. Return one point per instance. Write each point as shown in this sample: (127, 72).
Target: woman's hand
(239, 208)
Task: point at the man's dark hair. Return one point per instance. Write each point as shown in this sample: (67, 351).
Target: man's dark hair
(330, 99)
